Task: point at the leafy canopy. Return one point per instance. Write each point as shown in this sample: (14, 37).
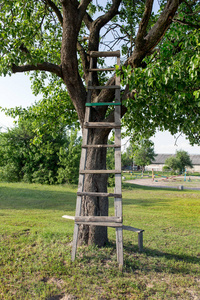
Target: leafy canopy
(164, 87)
(167, 90)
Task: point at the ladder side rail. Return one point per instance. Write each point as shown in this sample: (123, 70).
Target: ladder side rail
(118, 201)
(82, 166)
(84, 142)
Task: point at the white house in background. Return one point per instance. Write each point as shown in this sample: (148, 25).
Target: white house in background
(160, 159)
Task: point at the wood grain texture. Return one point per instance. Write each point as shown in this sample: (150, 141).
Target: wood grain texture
(101, 125)
(99, 194)
(105, 53)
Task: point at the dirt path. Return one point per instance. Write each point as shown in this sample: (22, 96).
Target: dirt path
(169, 183)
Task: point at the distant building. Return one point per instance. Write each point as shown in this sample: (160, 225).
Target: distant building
(160, 159)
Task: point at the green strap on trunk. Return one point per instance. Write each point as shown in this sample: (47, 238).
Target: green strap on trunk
(102, 103)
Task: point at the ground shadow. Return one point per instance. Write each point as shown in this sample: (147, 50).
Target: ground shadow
(148, 260)
(22, 198)
(132, 186)
(129, 248)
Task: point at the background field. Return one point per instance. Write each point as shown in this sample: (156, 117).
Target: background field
(35, 246)
(163, 179)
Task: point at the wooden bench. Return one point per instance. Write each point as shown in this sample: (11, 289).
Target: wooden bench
(130, 228)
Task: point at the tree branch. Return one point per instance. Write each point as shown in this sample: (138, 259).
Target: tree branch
(158, 30)
(145, 20)
(184, 22)
(83, 56)
(82, 8)
(56, 10)
(45, 66)
(99, 23)
(83, 15)
(113, 11)
(146, 44)
(87, 20)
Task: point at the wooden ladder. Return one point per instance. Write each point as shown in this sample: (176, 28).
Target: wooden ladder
(115, 221)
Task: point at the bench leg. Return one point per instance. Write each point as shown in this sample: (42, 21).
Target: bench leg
(140, 241)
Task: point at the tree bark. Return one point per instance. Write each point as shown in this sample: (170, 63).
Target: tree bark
(95, 206)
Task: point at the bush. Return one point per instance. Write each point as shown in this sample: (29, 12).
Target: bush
(9, 173)
(69, 161)
(50, 160)
(166, 168)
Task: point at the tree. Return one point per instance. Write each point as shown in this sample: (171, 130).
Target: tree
(184, 160)
(179, 162)
(127, 157)
(143, 154)
(54, 38)
(31, 152)
(172, 163)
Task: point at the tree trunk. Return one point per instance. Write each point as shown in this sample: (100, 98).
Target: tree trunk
(95, 206)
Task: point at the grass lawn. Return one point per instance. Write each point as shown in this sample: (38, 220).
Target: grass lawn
(35, 246)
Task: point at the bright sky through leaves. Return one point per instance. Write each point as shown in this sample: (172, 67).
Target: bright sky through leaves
(20, 94)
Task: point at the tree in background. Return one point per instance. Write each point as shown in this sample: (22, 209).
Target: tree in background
(53, 39)
(30, 152)
(172, 163)
(179, 162)
(143, 154)
(69, 158)
(127, 157)
(140, 153)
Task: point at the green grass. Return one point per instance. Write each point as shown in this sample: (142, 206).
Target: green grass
(35, 246)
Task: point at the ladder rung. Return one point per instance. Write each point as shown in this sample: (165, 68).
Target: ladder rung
(103, 103)
(68, 217)
(100, 87)
(104, 53)
(96, 194)
(100, 172)
(102, 146)
(101, 124)
(101, 70)
(107, 224)
(98, 219)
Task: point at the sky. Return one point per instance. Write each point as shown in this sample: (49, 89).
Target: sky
(16, 91)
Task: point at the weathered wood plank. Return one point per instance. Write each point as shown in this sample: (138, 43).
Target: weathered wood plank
(101, 70)
(100, 172)
(105, 53)
(99, 194)
(75, 241)
(118, 189)
(107, 224)
(104, 219)
(102, 146)
(82, 166)
(140, 241)
(101, 125)
(119, 246)
(130, 228)
(68, 217)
